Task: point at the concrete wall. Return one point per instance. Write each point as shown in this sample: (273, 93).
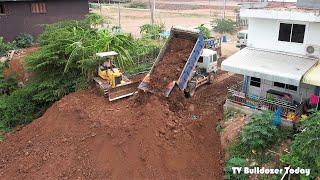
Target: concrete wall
(303, 93)
(19, 18)
(313, 4)
(263, 33)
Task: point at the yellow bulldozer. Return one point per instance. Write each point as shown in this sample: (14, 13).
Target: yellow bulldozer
(111, 80)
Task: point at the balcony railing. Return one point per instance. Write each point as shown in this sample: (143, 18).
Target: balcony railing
(289, 110)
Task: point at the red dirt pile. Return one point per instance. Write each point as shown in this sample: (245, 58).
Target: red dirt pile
(83, 136)
(172, 64)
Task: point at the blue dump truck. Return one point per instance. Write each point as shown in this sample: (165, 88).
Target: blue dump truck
(200, 65)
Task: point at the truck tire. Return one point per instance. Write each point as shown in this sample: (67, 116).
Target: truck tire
(190, 90)
(211, 78)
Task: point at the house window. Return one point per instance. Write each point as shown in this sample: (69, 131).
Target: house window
(255, 82)
(3, 9)
(38, 8)
(292, 32)
(280, 85)
(291, 87)
(285, 86)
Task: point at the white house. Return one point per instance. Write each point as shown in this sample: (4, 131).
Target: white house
(280, 65)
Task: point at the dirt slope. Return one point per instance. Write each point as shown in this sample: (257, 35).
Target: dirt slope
(83, 136)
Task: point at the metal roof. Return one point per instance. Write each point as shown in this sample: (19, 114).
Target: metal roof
(312, 77)
(270, 65)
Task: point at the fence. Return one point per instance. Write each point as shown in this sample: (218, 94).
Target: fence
(289, 110)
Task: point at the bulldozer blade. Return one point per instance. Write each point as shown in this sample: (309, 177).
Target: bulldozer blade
(123, 91)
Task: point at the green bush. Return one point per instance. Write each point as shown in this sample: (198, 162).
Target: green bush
(18, 108)
(235, 162)
(305, 148)
(223, 25)
(4, 47)
(7, 84)
(259, 133)
(138, 5)
(150, 31)
(23, 40)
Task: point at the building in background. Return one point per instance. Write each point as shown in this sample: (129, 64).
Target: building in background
(281, 63)
(28, 16)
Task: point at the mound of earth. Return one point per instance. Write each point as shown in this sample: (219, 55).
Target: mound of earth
(83, 136)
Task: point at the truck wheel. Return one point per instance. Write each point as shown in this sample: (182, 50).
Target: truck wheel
(211, 78)
(190, 90)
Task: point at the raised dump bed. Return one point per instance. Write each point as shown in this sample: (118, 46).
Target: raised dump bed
(175, 62)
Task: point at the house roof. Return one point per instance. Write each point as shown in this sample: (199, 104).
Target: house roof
(270, 65)
(312, 77)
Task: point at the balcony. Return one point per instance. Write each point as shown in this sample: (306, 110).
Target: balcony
(289, 110)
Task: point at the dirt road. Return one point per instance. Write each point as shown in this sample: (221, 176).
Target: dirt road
(132, 19)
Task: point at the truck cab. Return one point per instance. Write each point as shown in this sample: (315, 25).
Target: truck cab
(242, 38)
(208, 61)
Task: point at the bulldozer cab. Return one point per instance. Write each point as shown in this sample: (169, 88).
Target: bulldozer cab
(107, 70)
(106, 59)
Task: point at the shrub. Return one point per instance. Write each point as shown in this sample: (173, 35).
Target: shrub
(223, 25)
(18, 108)
(305, 148)
(235, 162)
(4, 47)
(150, 31)
(7, 84)
(259, 133)
(23, 40)
(138, 5)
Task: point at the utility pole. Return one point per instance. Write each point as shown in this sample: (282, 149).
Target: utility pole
(152, 9)
(100, 8)
(224, 8)
(119, 14)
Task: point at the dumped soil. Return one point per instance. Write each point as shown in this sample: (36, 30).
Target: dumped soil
(83, 136)
(16, 64)
(170, 67)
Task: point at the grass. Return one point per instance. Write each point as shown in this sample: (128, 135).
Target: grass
(136, 5)
(228, 113)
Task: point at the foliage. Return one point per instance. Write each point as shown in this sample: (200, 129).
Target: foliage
(223, 25)
(4, 47)
(93, 19)
(259, 133)
(305, 148)
(8, 83)
(235, 162)
(150, 31)
(18, 108)
(23, 40)
(256, 138)
(229, 112)
(138, 5)
(204, 30)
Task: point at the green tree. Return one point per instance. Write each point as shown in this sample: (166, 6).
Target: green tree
(204, 30)
(150, 31)
(223, 25)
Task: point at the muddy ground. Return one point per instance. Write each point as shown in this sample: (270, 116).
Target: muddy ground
(83, 136)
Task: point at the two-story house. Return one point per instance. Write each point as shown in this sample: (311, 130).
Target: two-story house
(280, 64)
